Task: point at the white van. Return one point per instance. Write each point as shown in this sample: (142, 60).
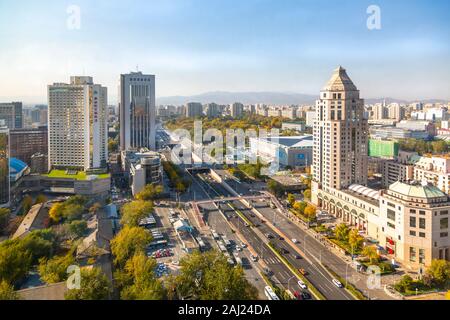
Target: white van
(337, 283)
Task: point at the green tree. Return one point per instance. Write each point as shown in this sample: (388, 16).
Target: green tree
(77, 228)
(439, 272)
(300, 207)
(208, 276)
(56, 212)
(355, 240)
(93, 286)
(404, 284)
(371, 253)
(134, 211)
(40, 243)
(129, 242)
(15, 262)
(307, 194)
(95, 207)
(150, 192)
(27, 202)
(7, 292)
(138, 280)
(113, 145)
(41, 199)
(5, 214)
(291, 199)
(54, 270)
(341, 232)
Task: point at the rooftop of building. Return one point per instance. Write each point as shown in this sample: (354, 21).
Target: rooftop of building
(77, 175)
(416, 190)
(340, 81)
(16, 165)
(292, 141)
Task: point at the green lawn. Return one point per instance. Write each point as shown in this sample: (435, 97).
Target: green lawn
(81, 175)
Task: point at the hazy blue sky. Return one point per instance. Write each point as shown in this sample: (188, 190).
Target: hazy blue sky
(195, 46)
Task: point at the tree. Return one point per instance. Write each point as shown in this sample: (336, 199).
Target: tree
(439, 272)
(134, 211)
(14, 261)
(447, 295)
(307, 194)
(355, 240)
(41, 199)
(5, 214)
(150, 192)
(40, 243)
(54, 270)
(341, 232)
(113, 145)
(56, 212)
(208, 276)
(95, 207)
(129, 242)
(310, 212)
(404, 284)
(371, 253)
(93, 286)
(300, 207)
(7, 292)
(77, 228)
(274, 187)
(138, 280)
(72, 211)
(291, 199)
(27, 202)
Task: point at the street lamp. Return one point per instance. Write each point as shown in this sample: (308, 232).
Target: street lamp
(289, 280)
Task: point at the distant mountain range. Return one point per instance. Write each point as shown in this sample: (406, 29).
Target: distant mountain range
(277, 98)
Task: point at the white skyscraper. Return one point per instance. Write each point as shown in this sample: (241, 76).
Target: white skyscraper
(137, 111)
(340, 135)
(77, 125)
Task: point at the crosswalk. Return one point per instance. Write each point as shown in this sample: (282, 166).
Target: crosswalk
(272, 260)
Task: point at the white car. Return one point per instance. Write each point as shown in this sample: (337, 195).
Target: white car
(238, 249)
(302, 285)
(337, 283)
(294, 240)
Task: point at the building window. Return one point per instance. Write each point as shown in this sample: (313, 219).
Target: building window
(412, 233)
(412, 254)
(444, 223)
(422, 234)
(421, 212)
(421, 255)
(444, 234)
(422, 224)
(391, 214)
(412, 222)
(444, 212)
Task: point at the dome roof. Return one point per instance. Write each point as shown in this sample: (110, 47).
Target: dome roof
(16, 165)
(416, 190)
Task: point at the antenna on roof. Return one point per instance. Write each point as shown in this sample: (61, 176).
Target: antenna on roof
(137, 68)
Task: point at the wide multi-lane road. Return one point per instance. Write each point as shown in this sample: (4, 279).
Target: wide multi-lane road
(316, 273)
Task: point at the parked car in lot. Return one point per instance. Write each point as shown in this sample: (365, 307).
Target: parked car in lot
(269, 236)
(284, 251)
(337, 283)
(243, 245)
(302, 285)
(297, 295)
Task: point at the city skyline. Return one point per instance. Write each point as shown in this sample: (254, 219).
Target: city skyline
(194, 47)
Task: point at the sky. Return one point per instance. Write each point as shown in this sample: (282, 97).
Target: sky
(197, 46)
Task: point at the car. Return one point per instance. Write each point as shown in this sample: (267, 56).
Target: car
(238, 249)
(294, 240)
(247, 225)
(302, 271)
(280, 238)
(297, 256)
(302, 285)
(243, 245)
(306, 295)
(284, 251)
(269, 236)
(297, 295)
(337, 283)
(254, 258)
(268, 272)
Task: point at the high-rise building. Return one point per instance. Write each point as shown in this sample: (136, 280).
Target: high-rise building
(77, 125)
(340, 135)
(194, 109)
(237, 109)
(212, 110)
(4, 165)
(137, 111)
(11, 113)
(26, 142)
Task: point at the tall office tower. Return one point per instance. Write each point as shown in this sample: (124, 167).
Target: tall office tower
(237, 109)
(212, 110)
(137, 111)
(340, 135)
(77, 125)
(194, 109)
(4, 165)
(11, 113)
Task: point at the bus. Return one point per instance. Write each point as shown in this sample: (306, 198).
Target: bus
(270, 294)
